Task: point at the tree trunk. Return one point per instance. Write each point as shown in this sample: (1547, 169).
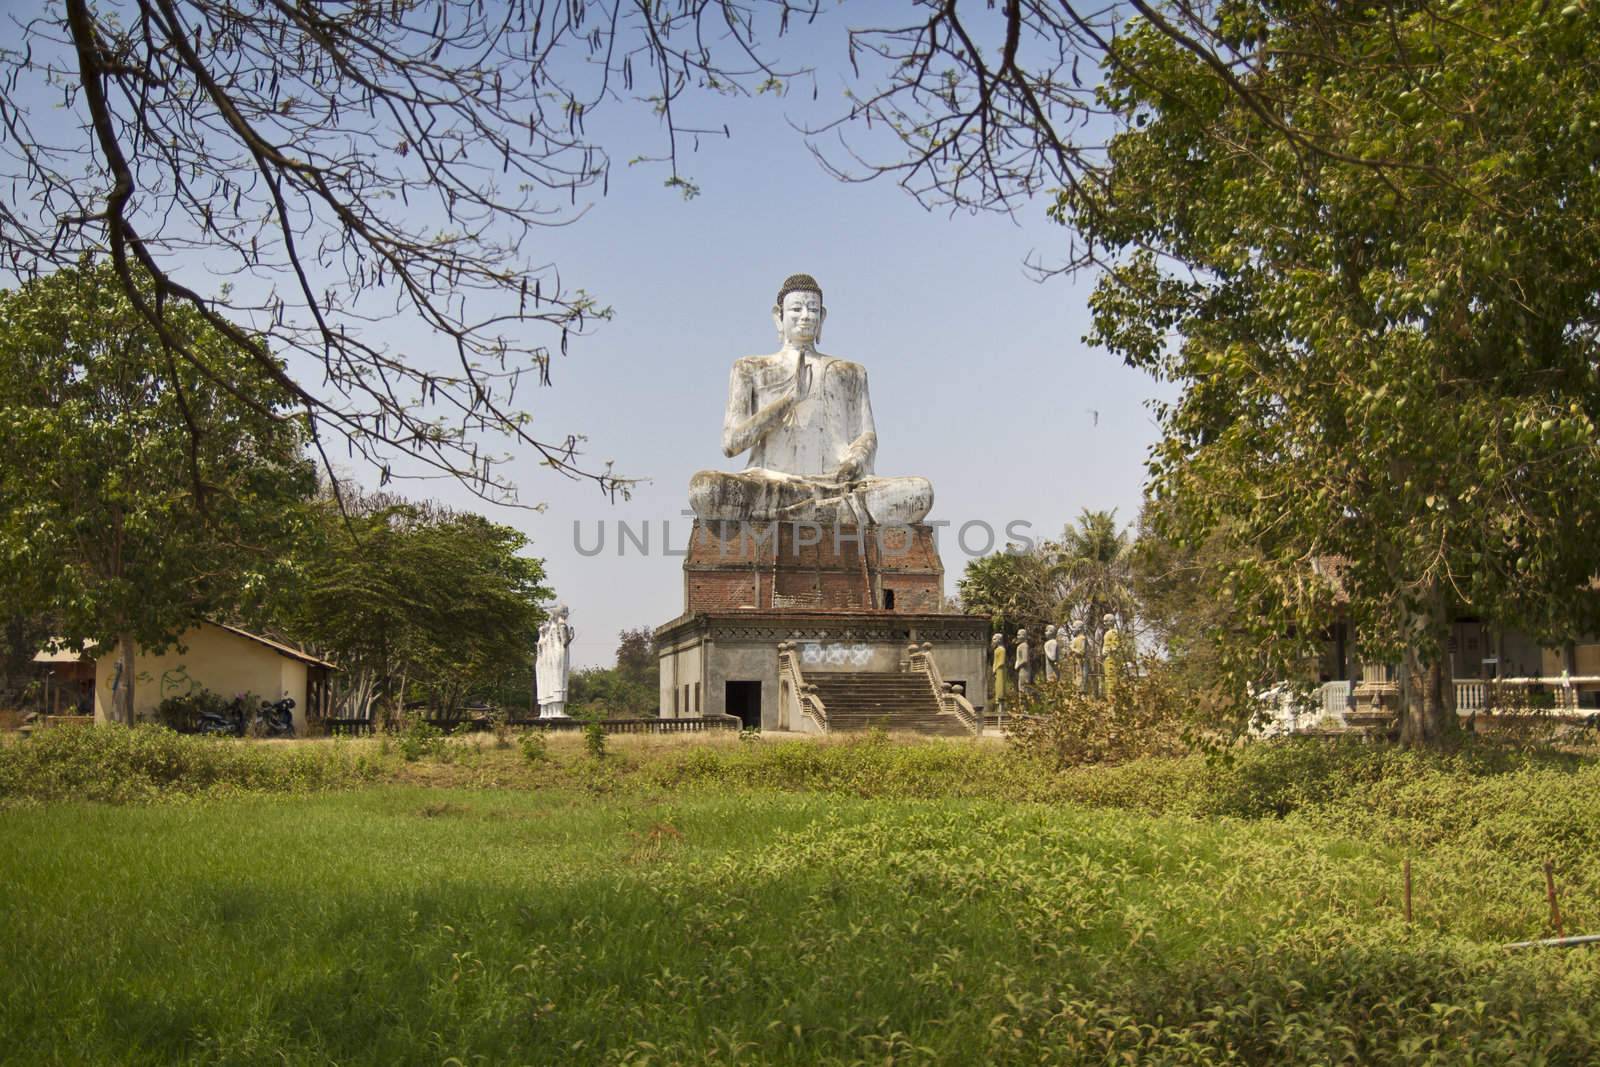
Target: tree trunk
(1428, 705)
(122, 710)
(394, 700)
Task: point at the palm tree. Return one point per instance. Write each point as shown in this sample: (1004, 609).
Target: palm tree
(1093, 566)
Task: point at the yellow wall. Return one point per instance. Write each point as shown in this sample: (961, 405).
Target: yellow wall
(211, 658)
(1586, 657)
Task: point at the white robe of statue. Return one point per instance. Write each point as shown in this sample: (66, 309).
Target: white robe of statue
(553, 662)
(1052, 652)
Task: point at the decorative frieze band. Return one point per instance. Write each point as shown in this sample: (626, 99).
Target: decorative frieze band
(972, 635)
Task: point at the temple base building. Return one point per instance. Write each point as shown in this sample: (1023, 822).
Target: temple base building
(842, 604)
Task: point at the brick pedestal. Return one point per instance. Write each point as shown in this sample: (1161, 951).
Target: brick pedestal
(854, 597)
(807, 567)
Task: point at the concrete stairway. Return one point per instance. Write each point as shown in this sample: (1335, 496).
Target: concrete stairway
(862, 700)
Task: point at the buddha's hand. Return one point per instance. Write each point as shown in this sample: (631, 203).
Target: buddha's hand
(849, 471)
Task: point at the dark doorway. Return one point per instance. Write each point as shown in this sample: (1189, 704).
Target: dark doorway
(744, 700)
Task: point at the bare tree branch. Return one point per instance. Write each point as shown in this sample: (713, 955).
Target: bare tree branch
(339, 165)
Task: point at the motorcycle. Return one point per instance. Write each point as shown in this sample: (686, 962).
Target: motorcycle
(222, 724)
(274, 719)
(277, 718)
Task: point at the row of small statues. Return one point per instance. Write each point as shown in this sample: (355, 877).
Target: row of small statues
(1065, 653)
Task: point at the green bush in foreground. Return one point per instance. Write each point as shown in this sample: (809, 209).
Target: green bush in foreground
(149, 761)
(1530, 806)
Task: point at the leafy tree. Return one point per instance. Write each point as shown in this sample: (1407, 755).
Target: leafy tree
(1012, 587)
(1080, 579)
(139, 495)
(637, 659)
(631, 689)
(1211, 646)
(414, 597)
(1379, 268)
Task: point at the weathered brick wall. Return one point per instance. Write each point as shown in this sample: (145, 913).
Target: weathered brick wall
(811, 569)
(737, 587)
(914, 592)
(722, 591)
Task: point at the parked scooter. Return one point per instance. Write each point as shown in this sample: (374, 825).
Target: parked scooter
(277, 719)
(230, 723)
(274, 719)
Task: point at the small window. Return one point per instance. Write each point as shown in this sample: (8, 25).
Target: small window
(697, 698)
(674, 700)
(686, 698)
(888, 600)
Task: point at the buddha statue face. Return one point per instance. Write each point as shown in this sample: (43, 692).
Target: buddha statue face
(799, 316)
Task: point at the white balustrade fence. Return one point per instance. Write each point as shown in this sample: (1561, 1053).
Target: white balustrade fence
(1334, 698)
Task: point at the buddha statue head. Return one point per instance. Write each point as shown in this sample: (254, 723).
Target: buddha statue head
(798, 312)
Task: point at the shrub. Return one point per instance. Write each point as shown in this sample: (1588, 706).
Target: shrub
(117, 764)
(535, 749)
(594, 738)
(182, 713)
(421, 740)
(1146, 715)
(502, 731)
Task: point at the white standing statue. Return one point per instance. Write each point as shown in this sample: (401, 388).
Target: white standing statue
(1024, 663)
(1052, 653)
(806, 420)
(553, 662)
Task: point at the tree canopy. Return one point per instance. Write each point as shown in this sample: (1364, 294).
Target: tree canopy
(412, 598)
(139, 496)
(341, 164)
(1077, 580)
(1386, 346)
(631, 688)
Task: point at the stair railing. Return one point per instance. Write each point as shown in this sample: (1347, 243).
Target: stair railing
(803, 698)
(956, 700)
(952, 701)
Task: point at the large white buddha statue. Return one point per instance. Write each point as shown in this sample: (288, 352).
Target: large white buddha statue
(806, 420)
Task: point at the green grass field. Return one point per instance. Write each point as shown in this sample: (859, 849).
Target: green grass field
(802, 903)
